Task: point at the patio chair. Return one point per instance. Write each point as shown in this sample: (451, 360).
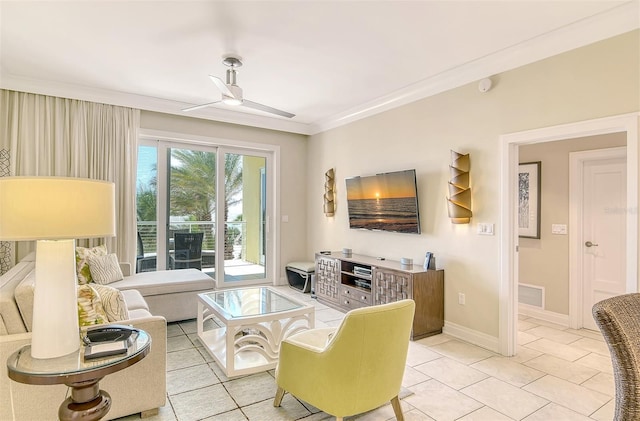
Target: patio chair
(188, 250)
(352, 369)
(618, 318)
(144, 264)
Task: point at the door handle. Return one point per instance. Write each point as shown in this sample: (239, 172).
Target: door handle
(590, 244)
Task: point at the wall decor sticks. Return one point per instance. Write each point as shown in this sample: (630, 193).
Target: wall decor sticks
(329, 193)
(459, 200)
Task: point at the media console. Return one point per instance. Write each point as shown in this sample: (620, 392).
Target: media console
(351, 281)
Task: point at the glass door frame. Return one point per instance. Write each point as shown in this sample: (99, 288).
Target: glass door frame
(220, 228)
(163, 141)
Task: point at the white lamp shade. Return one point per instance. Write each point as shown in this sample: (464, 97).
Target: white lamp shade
(55, 211)
(51, 208)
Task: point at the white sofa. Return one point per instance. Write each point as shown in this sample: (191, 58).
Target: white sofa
(152, 298)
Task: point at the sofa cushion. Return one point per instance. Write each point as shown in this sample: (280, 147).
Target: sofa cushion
(139, 313)
(82, 261)
(134, 300)
(90, 311)
(105, 269)
(10, 313)
(23, 294)
(166, 282)
(113, 302)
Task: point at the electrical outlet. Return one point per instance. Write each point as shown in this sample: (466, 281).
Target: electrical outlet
(461, 298)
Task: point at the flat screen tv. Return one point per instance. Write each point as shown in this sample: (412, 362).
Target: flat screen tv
(384, 202)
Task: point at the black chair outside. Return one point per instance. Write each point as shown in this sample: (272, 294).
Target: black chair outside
(144, 264)
(188, 250)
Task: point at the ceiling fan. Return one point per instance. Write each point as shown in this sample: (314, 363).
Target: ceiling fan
(232, 93)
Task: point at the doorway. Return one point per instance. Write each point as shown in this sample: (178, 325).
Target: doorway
(510, 143)
(598, 212)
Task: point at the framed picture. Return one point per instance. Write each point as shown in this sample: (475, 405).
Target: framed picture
(529, 200)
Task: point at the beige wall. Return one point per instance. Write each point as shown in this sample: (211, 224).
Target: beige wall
(545, 261)
(595, 81)
(293, 175)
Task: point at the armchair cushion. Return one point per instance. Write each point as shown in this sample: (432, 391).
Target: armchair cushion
(353, 369)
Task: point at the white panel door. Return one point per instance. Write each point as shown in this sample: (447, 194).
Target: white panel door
(603, 235)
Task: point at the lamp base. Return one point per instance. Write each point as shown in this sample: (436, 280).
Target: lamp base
(55, 301)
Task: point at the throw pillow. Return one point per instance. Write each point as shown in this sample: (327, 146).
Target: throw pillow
(90, 311)
(112, 302)
(82, 261)
(105, 269)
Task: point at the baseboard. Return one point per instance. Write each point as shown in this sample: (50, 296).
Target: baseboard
(474, 337)
(546, 315)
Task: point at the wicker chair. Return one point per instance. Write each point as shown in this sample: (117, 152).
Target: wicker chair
(619, 321)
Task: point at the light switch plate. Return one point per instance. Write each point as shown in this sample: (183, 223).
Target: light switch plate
(485, 229)
(559, 229)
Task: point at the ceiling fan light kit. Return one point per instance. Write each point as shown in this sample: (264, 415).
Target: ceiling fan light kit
(232, 93)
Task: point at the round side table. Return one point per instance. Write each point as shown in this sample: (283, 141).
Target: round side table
(87, 402)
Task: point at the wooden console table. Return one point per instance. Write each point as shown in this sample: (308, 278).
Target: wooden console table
(351, 281)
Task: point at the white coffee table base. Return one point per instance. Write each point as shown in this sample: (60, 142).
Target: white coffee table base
(253, 343)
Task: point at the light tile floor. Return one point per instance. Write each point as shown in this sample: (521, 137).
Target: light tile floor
(558, 374)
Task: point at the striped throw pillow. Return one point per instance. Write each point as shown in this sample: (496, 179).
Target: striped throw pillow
(112, 302)
(105, 269)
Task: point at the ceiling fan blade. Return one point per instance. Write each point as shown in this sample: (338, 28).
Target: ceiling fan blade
(197, 107)
(256, 106)
(221, 85)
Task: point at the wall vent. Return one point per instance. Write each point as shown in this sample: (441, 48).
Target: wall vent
(532, 295)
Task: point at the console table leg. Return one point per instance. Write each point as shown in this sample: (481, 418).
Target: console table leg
(87, 402)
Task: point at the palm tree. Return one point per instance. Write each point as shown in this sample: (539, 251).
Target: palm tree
(193, 186)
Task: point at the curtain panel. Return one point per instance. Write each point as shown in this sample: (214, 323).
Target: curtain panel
(51, 136)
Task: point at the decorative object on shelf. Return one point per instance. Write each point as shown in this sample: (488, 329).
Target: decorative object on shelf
(406, 261)
(529, 199)
(329, 193)
(459, 200)
(346, 251)
(55, 211)
(429, 261)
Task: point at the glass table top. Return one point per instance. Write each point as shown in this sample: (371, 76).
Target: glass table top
(246, 302)
(22, 364)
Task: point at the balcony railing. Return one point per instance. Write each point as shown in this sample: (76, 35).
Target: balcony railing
(234, 242)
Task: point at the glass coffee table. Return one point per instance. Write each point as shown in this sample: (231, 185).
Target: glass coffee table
(255, 320)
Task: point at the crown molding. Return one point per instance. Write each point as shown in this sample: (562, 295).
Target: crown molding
(147, 103)
(616, 21)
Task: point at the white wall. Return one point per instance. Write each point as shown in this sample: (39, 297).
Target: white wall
(595, 81)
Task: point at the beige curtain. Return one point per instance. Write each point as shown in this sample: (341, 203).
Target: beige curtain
(50, 136)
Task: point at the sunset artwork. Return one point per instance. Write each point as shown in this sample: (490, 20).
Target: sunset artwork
(386, 202)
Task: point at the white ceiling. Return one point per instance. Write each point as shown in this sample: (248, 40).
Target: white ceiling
(328, 62)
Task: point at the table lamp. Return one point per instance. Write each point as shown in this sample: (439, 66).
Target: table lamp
(55, 211)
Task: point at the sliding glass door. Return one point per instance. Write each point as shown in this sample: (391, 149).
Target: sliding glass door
(244, 215)
(178, 185)
(191, 209)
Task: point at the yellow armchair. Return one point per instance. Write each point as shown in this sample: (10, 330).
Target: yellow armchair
(352, 369)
